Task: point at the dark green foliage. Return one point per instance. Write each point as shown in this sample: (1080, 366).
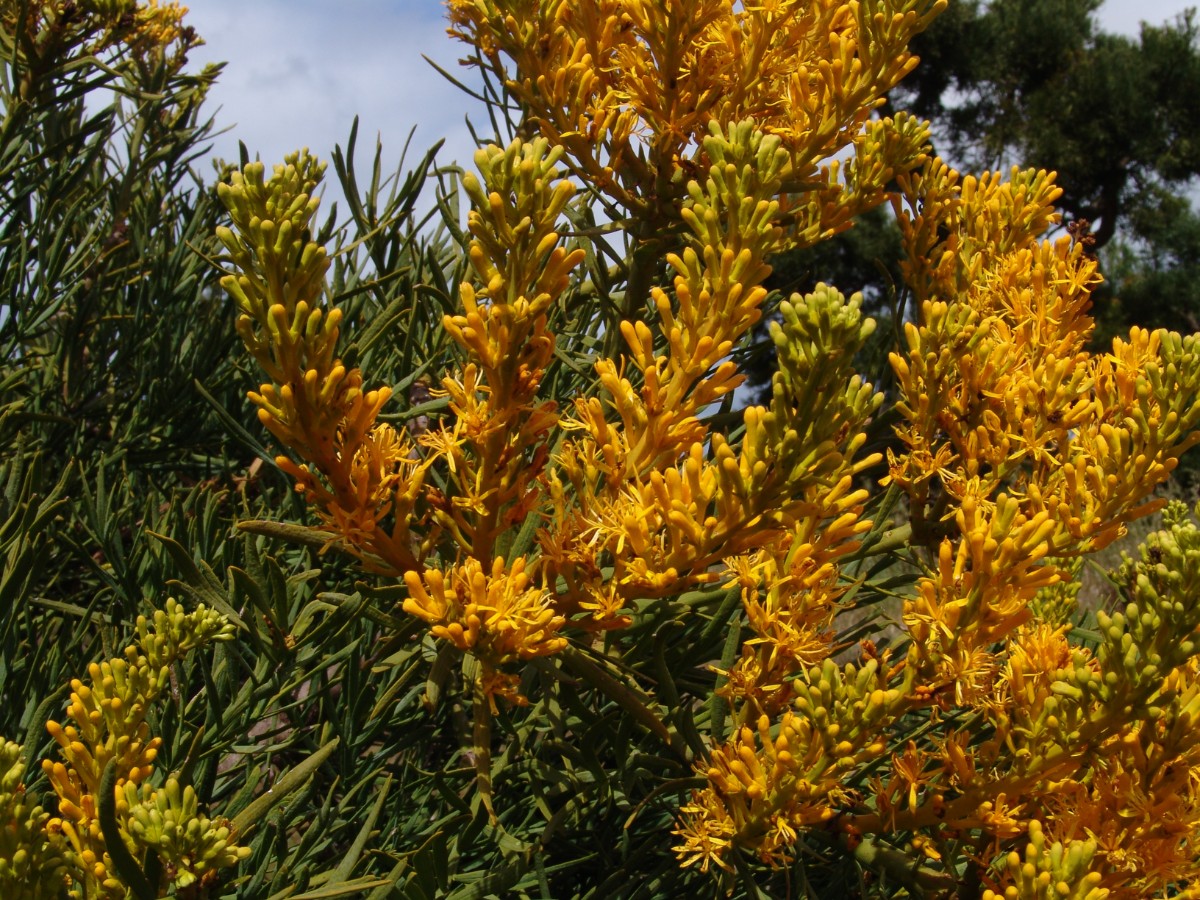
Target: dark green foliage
(106, 320)
(1155, 275)
(1043, 86)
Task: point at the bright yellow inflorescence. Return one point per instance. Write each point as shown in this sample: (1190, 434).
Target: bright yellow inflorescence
(1051, 872)
(361, 476)
(499, 445)
(630, 91)
(157, 25)
(646, 491)
(498, 616)
(1021, 448)
(766, 785)
(47, 33)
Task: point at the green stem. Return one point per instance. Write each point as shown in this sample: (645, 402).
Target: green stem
(485, 526)
(642, 265)
(481, 730)
(127, 867)
(903, 868)
(889, 541)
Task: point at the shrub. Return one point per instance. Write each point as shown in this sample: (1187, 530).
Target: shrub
(609, 633)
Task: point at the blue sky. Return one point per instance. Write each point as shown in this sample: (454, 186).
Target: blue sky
(299, 70)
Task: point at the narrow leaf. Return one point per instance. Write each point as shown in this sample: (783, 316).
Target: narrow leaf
(245, 821)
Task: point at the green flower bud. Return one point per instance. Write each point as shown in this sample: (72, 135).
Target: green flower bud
(1054, 872)
(33, 862)
(191, 845)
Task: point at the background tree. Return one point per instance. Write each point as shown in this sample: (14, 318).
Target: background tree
(1037, 83)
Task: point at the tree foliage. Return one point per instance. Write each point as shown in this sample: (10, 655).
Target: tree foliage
(1038, 83)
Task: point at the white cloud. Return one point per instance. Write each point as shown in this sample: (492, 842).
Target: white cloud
(299, 70)
(298, 73)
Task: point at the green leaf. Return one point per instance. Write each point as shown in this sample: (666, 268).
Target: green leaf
(295, 778)
(346, 866)
(199, 580)
(344, 888)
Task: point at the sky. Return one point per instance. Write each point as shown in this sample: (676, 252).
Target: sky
(299, 70)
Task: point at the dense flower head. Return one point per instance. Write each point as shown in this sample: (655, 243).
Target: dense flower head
(157, 25)
(193, 847)
(126, 39)
(364, 478)
(767, 783)
(630, 90)
(1048, 871)
(107, 731)
(1027, 453)
(1030, 450)
(500, 615)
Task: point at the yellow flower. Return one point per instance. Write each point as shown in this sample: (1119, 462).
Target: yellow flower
(157, 26)
(500, 616)
(909, 775)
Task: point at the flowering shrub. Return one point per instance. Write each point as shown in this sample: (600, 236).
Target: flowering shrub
(612, 631)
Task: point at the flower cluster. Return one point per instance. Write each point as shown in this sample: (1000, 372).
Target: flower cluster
(167, 821)
(498, 445)
(638, 486)
(46, 33)
(1021, 453)
(369, 481)
(499, 616)
(630, 91)
(107, 730)
(1050, 871)
(1021, 449)
(768, 783)
(157, 26)
(362, 477)
(802, 453)
(1096, 746)
(649, 498)
(648, 495)
(33, 865)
